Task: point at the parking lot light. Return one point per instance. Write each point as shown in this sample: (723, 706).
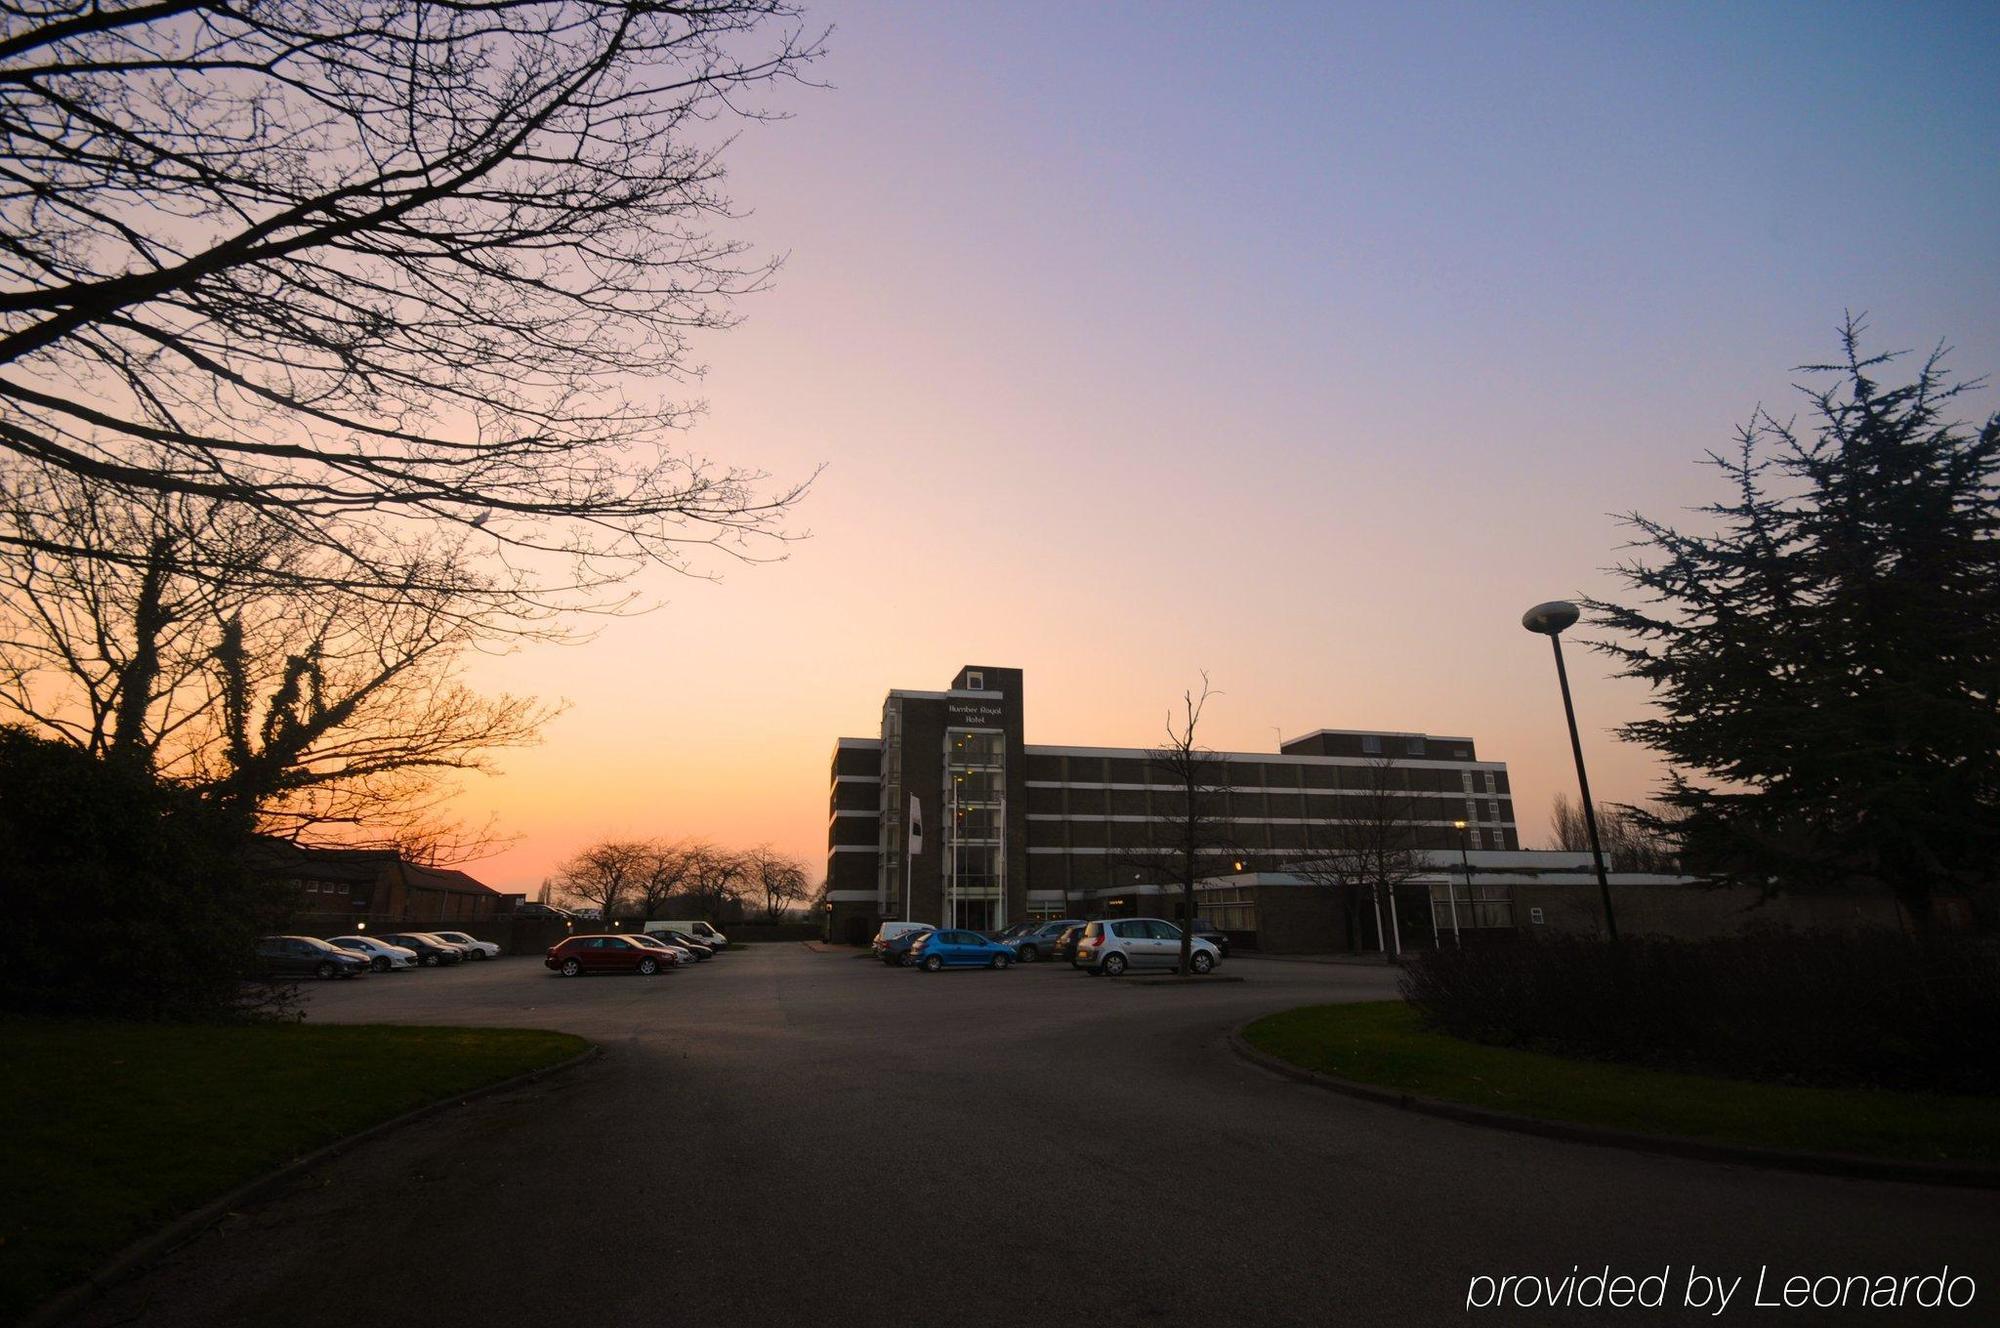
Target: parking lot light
(1550, 620)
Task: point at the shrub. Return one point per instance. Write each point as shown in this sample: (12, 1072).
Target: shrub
(123, 897)
(1842, 1008)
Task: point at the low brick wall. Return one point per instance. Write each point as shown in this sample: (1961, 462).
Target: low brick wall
(772, 931)
(1691, 912)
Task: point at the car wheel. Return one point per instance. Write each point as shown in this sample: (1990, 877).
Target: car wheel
(904, 961)
(649, 966)
(380, 963)
(1000, 961)
(932, 964)
(1114, 964)
(326, 969)
(571, 967)
(481, 954)
(1029, 954)
(1202, 961)
(429, 961)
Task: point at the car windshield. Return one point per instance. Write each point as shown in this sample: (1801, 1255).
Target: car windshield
(316, 943)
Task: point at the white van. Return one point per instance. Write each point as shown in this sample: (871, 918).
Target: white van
(701, 931)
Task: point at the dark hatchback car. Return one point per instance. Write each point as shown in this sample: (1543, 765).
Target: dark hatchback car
(1065, 944)
(431, 952)
(307, 956)
(1205, 930)
(896, 950)
(604, 954)
(699, 949)
(1039, 941)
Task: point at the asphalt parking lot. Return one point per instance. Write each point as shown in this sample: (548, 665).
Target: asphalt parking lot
(784, 1136)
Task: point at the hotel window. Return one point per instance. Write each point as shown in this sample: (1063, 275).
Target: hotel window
(1371, 745)
(975, 682)
(1231, 909)
(1483, 907)
(1413, 747)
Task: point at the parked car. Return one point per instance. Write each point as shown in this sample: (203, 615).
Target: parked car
(892, 930)
(576, 955)
(693, 929)
(1116, 944)
(1039, 942)
(959, 949)
(380, 954)
(474, 949)
(673, 954)
(464, 949)
(1065, 944)
(1013, 932)
(1214, 935)
(300, 956)
(541, 911)
(897, 951)
(686, 942)
(431, 952)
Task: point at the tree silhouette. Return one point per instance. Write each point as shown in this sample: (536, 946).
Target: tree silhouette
(1824, 665)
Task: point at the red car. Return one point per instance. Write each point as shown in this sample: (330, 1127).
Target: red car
(604, 954)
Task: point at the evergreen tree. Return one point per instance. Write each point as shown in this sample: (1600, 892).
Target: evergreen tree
(1825, 666)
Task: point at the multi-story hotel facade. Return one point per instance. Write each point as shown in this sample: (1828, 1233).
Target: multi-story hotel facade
(949, 816)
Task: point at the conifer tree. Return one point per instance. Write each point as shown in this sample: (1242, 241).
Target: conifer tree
(1825, 665)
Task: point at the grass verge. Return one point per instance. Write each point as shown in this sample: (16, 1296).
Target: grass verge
(109, 1131)
(1381, 1043)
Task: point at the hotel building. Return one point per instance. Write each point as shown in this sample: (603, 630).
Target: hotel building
(950, 816)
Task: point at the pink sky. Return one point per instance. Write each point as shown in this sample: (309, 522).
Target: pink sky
(1306, 352)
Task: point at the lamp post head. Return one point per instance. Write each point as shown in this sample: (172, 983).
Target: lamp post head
(1459, 824)
(1552, 618)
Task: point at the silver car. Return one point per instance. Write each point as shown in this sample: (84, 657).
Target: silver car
(1116, 944)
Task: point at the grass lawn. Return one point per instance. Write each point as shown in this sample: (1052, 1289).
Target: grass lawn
(1381, 1043)
(108, 1131)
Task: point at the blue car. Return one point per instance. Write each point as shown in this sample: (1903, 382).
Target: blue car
(959, 949)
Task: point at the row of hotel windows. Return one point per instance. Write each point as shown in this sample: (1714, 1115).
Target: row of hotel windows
(1253, 834)
(1132, 772)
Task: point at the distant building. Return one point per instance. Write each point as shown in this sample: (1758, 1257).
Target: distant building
(377, 885)
(1009, 831)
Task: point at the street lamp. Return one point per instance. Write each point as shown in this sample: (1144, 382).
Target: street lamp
(1467, 864)
(1550, 620)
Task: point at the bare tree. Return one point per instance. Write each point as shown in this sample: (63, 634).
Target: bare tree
(603, 875)
(1371, 847)
(1634, 839)
(219, 658)
(715, 878)
(1197, 838)
(363, 268)
(780, 879)
(663, 874)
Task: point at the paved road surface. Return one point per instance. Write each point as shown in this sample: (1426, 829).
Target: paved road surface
(783, 1137)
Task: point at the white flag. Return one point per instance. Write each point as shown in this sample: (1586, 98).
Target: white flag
(916, 827)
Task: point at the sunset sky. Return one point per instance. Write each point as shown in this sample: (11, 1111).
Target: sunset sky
(1306, 345)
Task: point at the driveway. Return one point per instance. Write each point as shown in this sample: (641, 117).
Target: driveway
(784, 1137)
